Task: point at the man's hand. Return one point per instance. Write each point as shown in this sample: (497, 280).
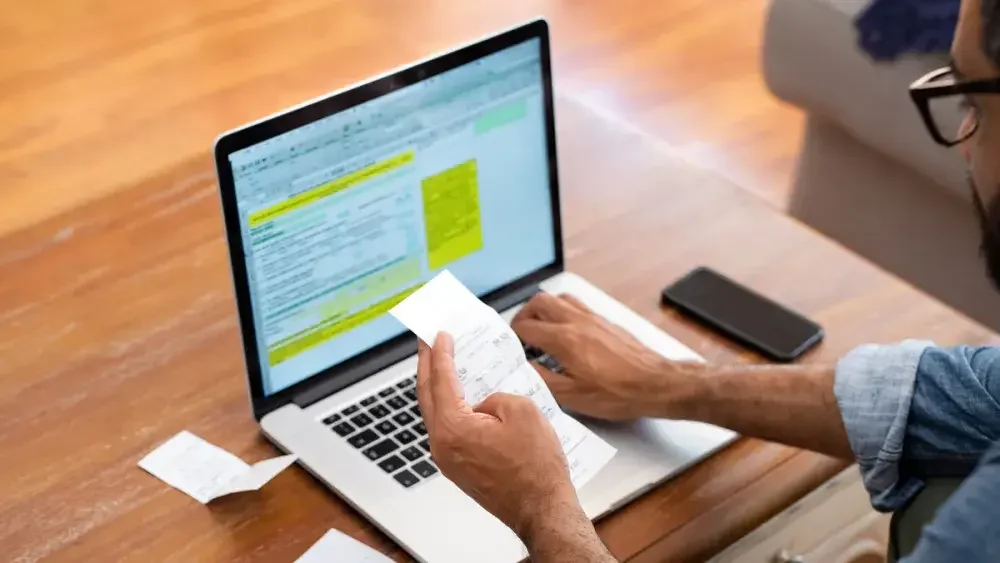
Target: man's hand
(608, 373)
(505, 455)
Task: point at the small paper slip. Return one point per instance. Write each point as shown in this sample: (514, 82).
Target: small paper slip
(338, 547)
(205, 471)
(490, 358)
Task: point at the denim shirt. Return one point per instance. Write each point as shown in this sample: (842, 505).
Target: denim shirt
(913, 411)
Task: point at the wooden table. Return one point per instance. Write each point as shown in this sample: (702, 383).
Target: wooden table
(96, 96)
(118, 329)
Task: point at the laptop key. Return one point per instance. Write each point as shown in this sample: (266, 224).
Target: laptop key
(343, 429)
(362, 439)
(385, 427)
(406, 478)
(391, 464)
(426, 445)
(361, 419)
(378, 411)
(415, 409)
(405, 437)
(402, 418)
(419, 428)
(331, 419)
(424, 468)
(531, 352)
(381, 449)
(368, 401)
(386, 392)
(404, 383)
(349, 410)
(396, 403)
(551, 363)
(412, 454)
(411, 394)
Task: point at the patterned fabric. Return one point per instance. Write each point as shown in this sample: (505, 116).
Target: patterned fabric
(888, 29)
(914, 411)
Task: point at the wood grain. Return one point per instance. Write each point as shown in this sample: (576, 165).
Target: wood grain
(99, 96)
(833, 524)
(118, 328)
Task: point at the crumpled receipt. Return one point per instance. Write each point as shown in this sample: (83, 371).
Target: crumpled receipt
(489, 358)
(205, 471)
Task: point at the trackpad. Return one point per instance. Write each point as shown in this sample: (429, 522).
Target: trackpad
(649, 452)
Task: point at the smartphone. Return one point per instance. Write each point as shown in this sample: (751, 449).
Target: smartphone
(743, 315)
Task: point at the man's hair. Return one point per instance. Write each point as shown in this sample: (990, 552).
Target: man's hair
(991, 29)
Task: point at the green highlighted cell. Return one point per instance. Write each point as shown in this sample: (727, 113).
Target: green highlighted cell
(451, 214)
(501, 116)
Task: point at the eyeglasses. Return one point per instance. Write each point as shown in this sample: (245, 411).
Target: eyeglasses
(942, 97)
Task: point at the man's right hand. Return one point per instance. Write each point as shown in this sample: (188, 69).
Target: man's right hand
(506, 456)
(608, 373)
(502, 452)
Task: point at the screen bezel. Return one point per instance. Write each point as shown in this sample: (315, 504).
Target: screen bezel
(400, 347)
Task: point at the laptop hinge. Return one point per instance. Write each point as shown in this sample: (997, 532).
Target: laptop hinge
(520, 295)
(356, 373)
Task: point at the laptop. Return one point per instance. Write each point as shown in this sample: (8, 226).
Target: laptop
(337, 209)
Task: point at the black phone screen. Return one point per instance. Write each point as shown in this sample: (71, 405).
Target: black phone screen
(738, 312)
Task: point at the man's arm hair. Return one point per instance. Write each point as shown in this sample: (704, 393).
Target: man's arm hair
(793, 405)
(562, 532)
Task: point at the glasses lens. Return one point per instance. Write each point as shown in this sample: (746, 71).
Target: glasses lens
(948, 112)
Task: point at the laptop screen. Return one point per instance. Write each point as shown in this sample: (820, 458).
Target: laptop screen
(344, 217)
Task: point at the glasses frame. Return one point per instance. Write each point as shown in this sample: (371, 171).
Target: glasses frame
(923, 90)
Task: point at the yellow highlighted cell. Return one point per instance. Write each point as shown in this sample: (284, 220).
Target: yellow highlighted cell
(451, 214)
(371, 286)
(331, 328)
(319, 192)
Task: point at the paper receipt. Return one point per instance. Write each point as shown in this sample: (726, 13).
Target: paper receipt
(489, 358)
(205, 471)
(335, 546)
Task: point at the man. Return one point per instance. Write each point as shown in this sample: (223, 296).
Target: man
(908, 413)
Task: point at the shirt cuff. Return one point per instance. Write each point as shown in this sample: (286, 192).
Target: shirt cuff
(874, 387)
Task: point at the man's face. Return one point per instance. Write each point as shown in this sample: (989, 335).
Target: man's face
(982, 150)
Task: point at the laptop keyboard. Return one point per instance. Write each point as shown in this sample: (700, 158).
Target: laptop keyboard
(388, 429)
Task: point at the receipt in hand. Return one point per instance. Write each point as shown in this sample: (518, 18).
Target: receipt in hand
(205, 471)
(489, 358)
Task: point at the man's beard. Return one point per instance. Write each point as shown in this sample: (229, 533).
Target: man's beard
(989, 225)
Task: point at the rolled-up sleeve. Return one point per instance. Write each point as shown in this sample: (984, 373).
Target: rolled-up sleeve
(874, 389)
(914, 410)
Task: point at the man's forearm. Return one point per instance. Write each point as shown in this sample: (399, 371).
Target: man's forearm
(562, 532)
(793, 405)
